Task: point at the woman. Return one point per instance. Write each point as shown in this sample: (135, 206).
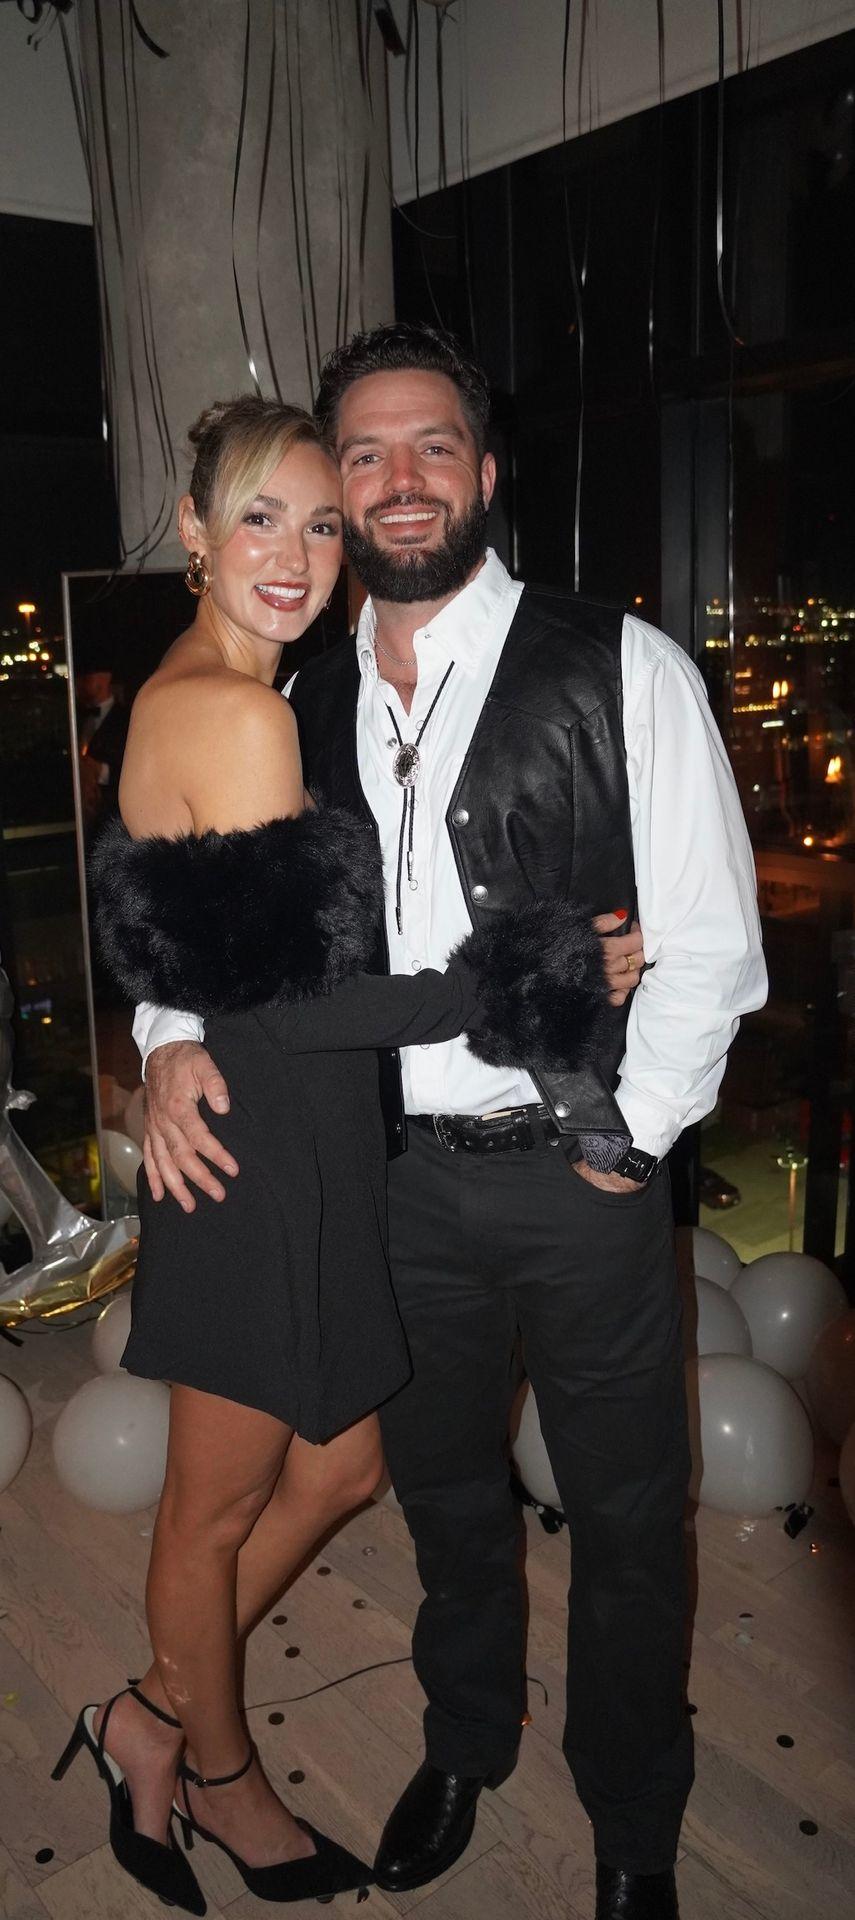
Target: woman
(222, 889)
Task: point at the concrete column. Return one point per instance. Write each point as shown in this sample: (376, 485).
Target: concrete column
(246, 168)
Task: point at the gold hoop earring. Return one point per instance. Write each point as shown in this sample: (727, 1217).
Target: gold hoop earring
(198, 577)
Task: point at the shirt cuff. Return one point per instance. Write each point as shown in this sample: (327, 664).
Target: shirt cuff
(164, 1028)
(652, 1125)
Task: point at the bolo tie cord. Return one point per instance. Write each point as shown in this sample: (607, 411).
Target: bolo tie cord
(408, 810)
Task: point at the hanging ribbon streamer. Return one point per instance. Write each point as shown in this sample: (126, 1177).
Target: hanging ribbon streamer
(307, 225)
(442, 160)
(341, 174)
(734, 340)
(111, 171)
(657, 207)
(292, 174)
(146, 37)
(578, 285)
(719, 188)
(465, 169)
(163, 517)
(366, 164)
(262, 189)
(416, 70)
(235, 183)
(106, 356)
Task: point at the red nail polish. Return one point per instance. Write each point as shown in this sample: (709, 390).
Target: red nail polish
(621, 913)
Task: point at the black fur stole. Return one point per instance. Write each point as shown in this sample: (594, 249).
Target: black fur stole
(542, 987)
(219, 922)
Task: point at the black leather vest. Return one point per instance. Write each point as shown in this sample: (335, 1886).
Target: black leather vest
(541, 808)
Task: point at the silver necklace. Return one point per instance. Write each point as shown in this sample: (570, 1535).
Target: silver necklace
(394, 656)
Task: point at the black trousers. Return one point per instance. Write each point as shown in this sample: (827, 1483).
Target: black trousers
(484, 1247)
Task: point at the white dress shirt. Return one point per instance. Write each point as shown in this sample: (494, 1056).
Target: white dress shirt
(694, 866)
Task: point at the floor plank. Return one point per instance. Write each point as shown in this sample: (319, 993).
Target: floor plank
(773, 1654)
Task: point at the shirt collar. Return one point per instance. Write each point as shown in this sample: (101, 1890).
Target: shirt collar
(459, 632)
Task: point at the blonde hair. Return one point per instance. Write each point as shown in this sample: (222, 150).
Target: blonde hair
(238, 444)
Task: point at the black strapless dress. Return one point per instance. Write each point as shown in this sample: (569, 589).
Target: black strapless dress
(279, 1297)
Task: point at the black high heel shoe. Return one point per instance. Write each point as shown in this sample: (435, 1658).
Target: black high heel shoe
(329, 1870)
(163, 1869)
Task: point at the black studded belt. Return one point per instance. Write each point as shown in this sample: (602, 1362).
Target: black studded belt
(519, 1129)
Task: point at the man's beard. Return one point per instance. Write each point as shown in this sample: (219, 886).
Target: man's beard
(416, 574)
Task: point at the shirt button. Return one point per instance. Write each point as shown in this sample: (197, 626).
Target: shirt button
(416, 965)
(460, 816)
(479, 893)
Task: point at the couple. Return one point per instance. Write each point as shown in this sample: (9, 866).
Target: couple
(516, 760)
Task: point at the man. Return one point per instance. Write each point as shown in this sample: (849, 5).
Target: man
(550, 747)
(102, 730)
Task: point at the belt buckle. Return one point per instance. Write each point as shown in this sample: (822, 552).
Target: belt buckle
(443, 1133)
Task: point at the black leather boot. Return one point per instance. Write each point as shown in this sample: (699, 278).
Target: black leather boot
(635, 1896)
(429, 1828)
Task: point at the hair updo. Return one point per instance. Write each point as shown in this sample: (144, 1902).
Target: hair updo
(237, 445)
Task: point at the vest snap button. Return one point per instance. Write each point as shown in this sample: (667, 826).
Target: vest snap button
(562, 1111)
(460, 817)
(479, 893)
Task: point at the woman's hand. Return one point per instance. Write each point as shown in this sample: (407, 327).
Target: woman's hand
(623, 955)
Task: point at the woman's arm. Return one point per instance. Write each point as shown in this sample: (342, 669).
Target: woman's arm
(380, 1010)
(527, 986)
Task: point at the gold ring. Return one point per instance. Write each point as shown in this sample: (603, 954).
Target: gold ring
(627, 963)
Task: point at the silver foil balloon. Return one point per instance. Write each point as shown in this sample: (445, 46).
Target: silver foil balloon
(73, 1259)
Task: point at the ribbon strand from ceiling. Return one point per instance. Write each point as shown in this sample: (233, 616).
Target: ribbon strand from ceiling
(292, 175)
(657, 205)
(235, 185)
(262, 191)
(162, 519)
(307, 226)
(577, 281)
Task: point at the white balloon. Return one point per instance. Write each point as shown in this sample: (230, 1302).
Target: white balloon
(846, 1472)
(16, 1429)
(720, 1326)
(787, 1299)
(831, 1377)
(752, 1446)
(532, 1459)
(123, 1158)
(133, 1118)
(714, 1258)
(109, 1443)
(110, 1333)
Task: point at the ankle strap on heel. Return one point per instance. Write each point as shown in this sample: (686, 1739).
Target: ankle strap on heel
(158, 1712)
(221, 1780)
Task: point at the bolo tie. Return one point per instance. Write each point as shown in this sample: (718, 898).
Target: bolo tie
(406, 768)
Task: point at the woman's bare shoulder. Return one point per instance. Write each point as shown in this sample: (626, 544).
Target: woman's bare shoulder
(205, 744)
(189, 702)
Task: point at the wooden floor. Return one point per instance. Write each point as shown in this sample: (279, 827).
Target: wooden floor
(774, 1656)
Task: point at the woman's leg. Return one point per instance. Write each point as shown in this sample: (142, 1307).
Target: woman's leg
(315, 1486)
(222, 1466)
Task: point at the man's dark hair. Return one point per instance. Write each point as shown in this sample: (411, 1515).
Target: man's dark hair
(404, 346)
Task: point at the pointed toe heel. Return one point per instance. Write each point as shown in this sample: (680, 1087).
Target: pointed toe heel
(331, 1869)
